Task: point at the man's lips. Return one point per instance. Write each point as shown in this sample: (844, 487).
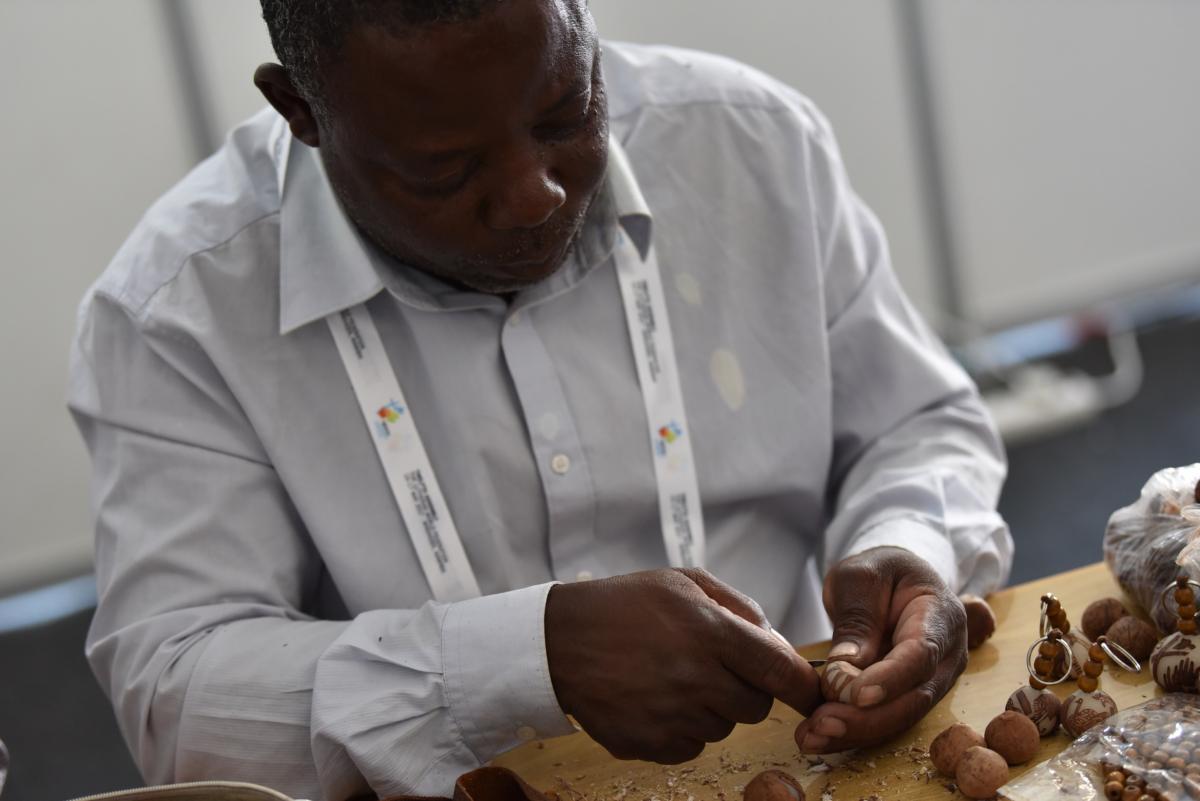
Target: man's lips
(537, 264)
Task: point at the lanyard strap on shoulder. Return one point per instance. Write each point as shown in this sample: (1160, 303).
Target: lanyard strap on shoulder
(658, 373)
(409, 473)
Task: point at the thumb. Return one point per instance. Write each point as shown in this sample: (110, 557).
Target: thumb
(857, 597)
(765, 661)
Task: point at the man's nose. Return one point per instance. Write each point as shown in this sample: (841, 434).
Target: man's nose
(527, 197)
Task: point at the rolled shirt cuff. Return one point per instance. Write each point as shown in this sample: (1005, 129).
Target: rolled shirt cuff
(916, 537)
(497, 674)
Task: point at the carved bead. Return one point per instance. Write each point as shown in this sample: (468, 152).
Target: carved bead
(1174, 663)
(1039, 705)
(1084, 709)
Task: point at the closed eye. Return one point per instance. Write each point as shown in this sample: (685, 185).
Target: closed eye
(566, 125)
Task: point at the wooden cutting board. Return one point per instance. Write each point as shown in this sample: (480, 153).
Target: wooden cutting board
(578, 769)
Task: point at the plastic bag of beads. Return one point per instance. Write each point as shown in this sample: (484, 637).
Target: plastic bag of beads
(1149, 752)
(1144, 544)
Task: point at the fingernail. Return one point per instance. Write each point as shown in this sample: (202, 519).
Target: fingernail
(870, 696)
(830, 727)
(813, 743)
(844, 650)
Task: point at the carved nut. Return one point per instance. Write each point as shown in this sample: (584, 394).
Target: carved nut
(1100, 615)
(773, 785)
(981, 772)
(1014, 737)
(948, 747)
(836, 681)
(981, 622)
(1040, 706)
(1175, 663)
(1081, 711)
(1136, 636)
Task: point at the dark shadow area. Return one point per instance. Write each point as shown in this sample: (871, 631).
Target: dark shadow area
(60, 731)
(1061, 490)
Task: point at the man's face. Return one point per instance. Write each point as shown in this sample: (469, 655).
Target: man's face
(471, 150)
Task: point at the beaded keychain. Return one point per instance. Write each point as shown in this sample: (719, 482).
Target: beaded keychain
(1089, 705)
(1051, 647)
(1174, 662)
(1054, 616)
(1035, 701)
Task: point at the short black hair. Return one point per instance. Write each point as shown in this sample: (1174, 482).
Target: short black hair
(309, 34)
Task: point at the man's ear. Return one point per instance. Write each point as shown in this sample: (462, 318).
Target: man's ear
(273, 81)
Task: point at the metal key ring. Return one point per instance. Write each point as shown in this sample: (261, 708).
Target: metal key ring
(1127, 661)
(1165, 597)
(1062, 644)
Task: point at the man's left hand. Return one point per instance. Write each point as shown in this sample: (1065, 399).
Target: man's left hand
(896, 620)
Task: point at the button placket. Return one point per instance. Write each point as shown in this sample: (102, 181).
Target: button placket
(566, 479)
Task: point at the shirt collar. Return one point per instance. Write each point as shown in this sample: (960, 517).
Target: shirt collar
(323, 265)
(628, 200)
(327, 265)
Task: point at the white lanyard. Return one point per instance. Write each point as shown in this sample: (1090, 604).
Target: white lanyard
(406, 463)
(658, 373)
(394, 432)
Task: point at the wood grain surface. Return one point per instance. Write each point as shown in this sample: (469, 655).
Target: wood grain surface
(577, 769)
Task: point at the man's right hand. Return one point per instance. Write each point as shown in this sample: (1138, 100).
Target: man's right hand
(654, 665)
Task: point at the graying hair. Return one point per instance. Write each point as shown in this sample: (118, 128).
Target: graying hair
(308, 35)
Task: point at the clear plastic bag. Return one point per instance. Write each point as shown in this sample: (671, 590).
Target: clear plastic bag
(1145, 542)
(1132, 742)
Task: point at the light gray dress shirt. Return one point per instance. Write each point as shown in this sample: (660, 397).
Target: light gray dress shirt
(262, 614)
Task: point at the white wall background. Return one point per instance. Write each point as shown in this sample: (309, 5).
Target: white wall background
(1072, 139)
(90, 136)
(1069, 131)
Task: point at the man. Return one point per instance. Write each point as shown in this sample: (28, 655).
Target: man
(478, 308)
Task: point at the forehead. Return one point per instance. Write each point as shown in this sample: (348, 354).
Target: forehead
(447, 80)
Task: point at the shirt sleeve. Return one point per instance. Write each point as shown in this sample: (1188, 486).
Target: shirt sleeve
(203, 638)
(917, 461)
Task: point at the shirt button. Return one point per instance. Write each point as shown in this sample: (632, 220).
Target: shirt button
(514, 320)
(527, 733)
(584, 575)
(561, 464)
